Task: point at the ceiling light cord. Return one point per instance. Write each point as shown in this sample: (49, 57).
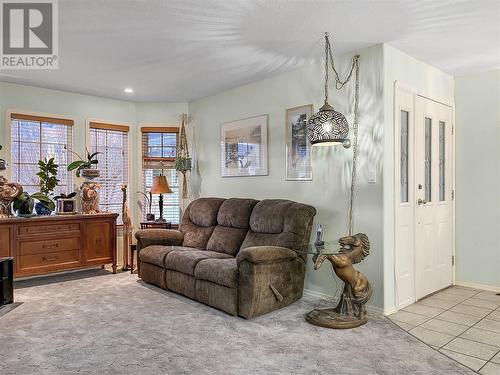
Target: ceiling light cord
(339, 84)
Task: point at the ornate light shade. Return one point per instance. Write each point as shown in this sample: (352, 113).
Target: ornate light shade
(327, 127)
(160, 185)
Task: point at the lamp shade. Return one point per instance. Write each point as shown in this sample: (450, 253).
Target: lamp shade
(327, 127)
(160, 185)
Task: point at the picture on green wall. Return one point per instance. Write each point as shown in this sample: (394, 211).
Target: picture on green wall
(298, 148)
(244, 147)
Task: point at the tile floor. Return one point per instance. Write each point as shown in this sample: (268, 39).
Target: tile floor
(460, 322)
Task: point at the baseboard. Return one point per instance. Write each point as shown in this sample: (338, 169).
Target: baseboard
(489, 288)
(370, 308)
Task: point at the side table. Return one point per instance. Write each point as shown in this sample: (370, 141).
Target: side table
(350, 312)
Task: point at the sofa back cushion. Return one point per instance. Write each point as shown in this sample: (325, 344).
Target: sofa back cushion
(228, 225)
(279, 222)
(199, 221)
(233, 221)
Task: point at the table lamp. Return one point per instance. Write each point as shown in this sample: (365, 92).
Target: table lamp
(160, 186)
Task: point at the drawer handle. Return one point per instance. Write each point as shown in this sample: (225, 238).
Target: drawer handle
(98, 240)
(50, 246)
(48, 259)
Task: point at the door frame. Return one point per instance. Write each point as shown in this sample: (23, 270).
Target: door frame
(399, 86)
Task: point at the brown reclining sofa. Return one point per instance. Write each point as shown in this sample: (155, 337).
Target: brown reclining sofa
(233, 254)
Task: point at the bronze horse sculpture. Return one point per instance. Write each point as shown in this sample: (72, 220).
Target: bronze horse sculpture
(350, 311)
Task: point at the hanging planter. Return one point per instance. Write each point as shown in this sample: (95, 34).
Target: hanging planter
(183, 161)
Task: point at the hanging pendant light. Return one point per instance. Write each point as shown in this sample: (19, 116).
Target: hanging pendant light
(328, 127)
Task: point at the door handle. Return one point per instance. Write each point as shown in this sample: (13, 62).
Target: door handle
(421, 201)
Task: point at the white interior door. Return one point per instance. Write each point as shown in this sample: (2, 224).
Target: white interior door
(423, 230)
(433, 195)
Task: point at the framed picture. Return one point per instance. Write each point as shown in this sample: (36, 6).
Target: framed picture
(243, 146)
(298, 149)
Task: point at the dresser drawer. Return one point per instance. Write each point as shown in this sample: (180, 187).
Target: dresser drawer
(59, 228)
(48, 245)
(69, 258)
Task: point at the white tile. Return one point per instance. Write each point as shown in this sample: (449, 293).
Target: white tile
(496, 358)
(436, 302)
(458, 318)
(471, 362)
(403, 325)
(423, 310)
(472, 348)
(490, 369)
(487, 337)
(408, 318)
(495, 315)
(471, 310)
(444, 327)
(459, 291)
(489, 325)
(478, 302)
(450, 297)
(431, 337)
(490, 296)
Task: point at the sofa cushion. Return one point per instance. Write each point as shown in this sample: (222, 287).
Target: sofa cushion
(186, 261)
(268, 215)
(235, 213)
(219, 271)
(155, 254)
(226, 240)
(203, 212)
(196, 236)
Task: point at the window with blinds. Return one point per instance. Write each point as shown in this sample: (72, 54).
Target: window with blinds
(34, 138)
(159, 150)
(112, 143)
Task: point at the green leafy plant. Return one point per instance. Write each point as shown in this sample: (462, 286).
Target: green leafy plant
(47, 175)
(81, 164)
(64, 196)
(25, 202)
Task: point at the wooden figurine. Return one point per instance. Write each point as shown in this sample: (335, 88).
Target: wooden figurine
(9, 191)
(127, 231)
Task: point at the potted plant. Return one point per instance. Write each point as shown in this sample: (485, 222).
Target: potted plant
(85, 167)
(2, 162)
(23, 205)
(65, 204)
(48, 182)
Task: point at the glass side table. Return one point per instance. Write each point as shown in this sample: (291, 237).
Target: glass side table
(350, 312)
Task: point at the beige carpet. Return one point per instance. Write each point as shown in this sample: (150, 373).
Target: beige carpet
(98, 323)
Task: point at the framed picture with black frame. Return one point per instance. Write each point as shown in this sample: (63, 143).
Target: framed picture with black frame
(298, 160)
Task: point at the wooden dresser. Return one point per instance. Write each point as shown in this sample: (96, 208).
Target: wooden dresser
(44, 244)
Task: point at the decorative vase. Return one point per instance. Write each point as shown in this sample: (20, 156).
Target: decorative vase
(2, 165)
(40, 209)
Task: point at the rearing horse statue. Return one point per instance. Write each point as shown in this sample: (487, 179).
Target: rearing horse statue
(350, 311)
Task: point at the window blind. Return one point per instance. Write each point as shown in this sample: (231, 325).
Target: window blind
(112, 143)
(34, 138)
(159, 150)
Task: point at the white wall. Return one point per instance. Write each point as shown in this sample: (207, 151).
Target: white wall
(477, 99)
(328, 191)
(425, 80)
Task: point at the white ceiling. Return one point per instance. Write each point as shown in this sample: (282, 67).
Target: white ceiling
(180, 50)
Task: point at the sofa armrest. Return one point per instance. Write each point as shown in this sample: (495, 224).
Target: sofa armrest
(148, 237)
(265, 254)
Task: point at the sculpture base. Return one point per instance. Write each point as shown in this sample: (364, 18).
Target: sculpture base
(329, 318)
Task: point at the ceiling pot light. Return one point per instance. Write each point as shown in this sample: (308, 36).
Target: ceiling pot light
(128, 90)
